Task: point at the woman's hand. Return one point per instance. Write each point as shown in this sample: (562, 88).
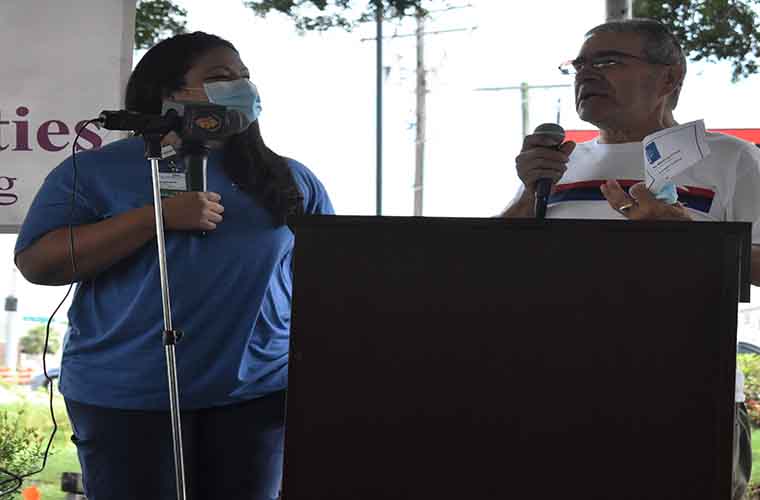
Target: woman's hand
(192, 211)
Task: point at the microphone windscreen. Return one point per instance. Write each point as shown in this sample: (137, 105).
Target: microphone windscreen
(553, 130)
(167, 105)
(236, 122)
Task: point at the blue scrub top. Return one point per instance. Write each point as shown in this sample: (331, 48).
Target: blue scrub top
(230, 289)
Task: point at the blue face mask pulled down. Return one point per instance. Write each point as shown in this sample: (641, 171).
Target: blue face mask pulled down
(668, 194)
(240, 95)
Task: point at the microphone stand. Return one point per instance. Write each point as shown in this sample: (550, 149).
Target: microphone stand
(170, 335)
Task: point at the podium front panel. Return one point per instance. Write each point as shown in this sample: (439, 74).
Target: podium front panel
(491, 359)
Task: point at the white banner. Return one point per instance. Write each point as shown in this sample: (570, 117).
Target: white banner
(62, 63)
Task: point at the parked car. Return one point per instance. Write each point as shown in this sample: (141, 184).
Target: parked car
(40, 380)
(747, 348)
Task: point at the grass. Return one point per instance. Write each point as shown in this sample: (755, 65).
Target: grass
(63, 459)
(49, 480)
(755, 478)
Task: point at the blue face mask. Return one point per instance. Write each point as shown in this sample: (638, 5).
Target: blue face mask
(668, 193)
(240, 95)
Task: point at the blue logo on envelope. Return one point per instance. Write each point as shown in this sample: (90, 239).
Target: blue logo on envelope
(653, 154)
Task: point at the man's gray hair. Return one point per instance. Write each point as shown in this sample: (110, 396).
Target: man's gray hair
(660, 46)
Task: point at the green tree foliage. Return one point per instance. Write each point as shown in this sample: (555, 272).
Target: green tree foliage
(711, 30)
(157, 19)
(749, 364)
(346, 14)
(34, 340)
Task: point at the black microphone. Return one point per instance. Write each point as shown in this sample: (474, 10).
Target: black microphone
(195, 155)
(544, 184)
(204, 122)
(139, 122)
(202, 125)
(195, 158)
(234, 122)
(193, 121)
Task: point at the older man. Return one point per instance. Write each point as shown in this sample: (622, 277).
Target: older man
(628, 76)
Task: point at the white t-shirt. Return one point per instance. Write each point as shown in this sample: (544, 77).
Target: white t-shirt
(725, 186)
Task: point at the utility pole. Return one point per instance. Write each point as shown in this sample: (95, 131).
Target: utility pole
(419, 142)
(379, 110)
(524, 89)
(525, 107)
(618, 9)
(11, 306)
(421, 108)
(421, 98)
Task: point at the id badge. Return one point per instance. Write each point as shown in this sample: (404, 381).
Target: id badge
(173, 180)
(172, 183)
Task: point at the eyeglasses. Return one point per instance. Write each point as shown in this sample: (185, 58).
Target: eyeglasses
(600, 63)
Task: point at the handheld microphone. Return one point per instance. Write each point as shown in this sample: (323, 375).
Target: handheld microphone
(544, 184)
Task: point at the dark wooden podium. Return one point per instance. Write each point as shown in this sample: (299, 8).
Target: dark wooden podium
(512, 359)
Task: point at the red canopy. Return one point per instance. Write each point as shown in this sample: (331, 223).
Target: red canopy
(748, 134)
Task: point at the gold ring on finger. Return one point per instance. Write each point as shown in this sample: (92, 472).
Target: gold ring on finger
(625, 207)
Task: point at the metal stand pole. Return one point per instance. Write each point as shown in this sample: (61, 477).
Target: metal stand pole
(170, 336)
(618, 9)
(379, 16)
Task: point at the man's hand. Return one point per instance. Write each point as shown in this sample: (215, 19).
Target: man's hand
(640, 204)
(192, 211)
(540, 158)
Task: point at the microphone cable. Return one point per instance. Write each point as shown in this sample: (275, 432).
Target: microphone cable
(15, 481)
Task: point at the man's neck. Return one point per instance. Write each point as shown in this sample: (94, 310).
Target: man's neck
(634, 132)
(669, 120)
(609, 135)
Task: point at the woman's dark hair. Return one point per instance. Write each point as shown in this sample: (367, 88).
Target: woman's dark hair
(254, 167)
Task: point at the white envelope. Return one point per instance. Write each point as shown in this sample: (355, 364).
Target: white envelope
(669, 152)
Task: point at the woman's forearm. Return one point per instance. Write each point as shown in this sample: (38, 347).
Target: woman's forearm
(97, 246)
